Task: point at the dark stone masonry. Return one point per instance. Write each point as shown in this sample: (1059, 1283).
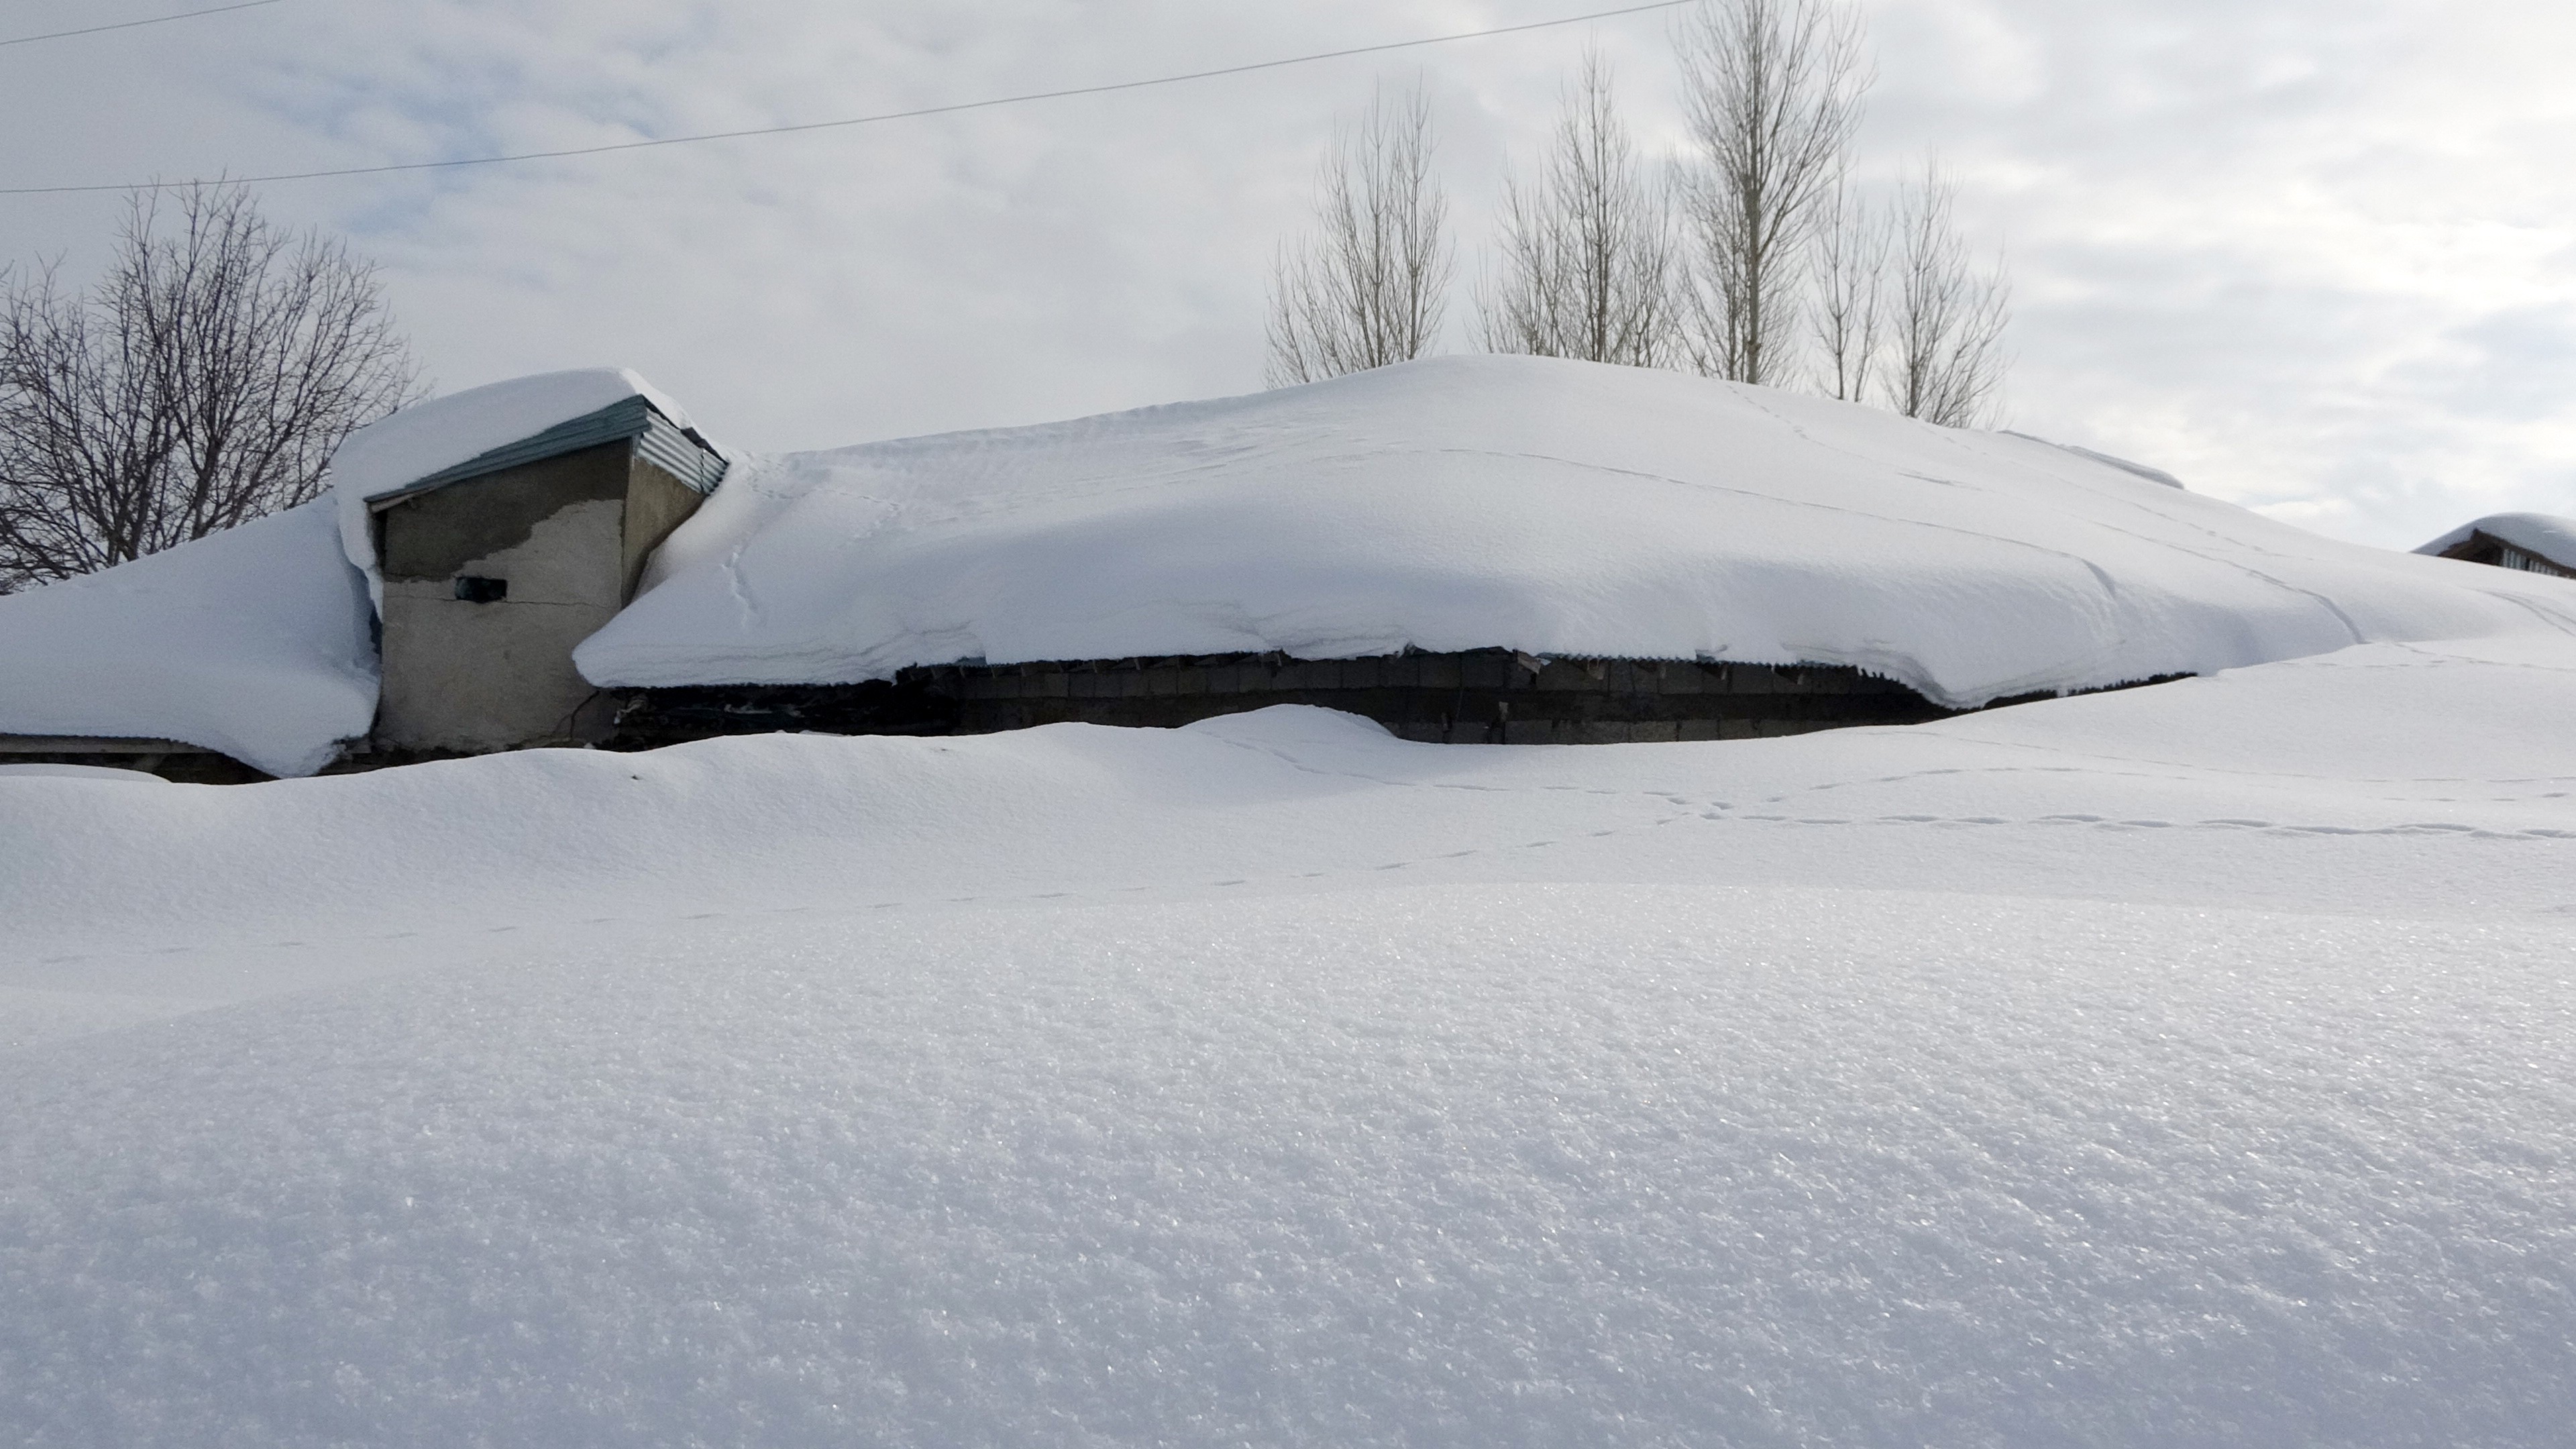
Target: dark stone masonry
(1484, 696)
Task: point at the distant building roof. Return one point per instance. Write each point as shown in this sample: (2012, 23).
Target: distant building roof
(680, 451)
(2540, 543)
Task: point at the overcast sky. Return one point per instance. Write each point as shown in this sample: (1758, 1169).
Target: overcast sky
(2316, 256)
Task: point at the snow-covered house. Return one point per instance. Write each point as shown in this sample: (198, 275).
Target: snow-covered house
(2535, 543)
(490, 570)
(1465, 549)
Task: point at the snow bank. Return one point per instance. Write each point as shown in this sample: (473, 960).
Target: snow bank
(1554, 507)
(443, 432)
(2546, 534)
(2176, 1066)
(253, 641)
(2285, 787)
(1574, 1165)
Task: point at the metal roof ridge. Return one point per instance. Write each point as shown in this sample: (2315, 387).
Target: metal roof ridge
(630, 417)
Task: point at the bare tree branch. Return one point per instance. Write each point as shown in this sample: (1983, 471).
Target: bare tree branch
(1587, 264)
(204, 381)
(1848, 258)
(1948, 316)
(1773, 90)
(1372, 286)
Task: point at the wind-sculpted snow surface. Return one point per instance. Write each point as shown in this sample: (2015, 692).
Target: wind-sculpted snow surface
(253, 641)
(2184, 1066)
(1574, 1165)
(1555, 507)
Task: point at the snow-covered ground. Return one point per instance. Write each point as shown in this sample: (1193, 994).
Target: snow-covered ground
(2183, 1066)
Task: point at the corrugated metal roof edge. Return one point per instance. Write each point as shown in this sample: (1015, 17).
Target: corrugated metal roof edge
(682, 452)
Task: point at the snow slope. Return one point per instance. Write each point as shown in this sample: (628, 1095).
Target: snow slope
(2189, 1065)
(253, 641)
(1555, 507)
(2545, 534)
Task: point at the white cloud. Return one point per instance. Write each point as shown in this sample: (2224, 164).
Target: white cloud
(2314, 255)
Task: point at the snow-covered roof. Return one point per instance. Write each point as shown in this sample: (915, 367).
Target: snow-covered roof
(391, 454)
(253, 641)
(256, 641)
(2545, 534)
(431, 437)
(2155, 475)
(1468, 502)
(1552, 507)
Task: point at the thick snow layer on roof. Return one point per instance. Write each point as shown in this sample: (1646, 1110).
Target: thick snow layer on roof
(1554, 507)
(2546, 534)
(253, 641)
(2183, 1065)
(434, 436)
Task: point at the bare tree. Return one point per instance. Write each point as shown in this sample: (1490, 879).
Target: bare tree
(1587, 264)
(204, 381)
(1773, 90)
(1848, 258)
(1948, 315)
(1372, 286)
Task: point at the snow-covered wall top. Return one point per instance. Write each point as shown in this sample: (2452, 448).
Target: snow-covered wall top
(1554, 507)
(439, 434)
(2546, 534)
(253, 641)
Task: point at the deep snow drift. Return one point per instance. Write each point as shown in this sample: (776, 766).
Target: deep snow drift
(1555, 507)
(253, 641)
(2182, 1066)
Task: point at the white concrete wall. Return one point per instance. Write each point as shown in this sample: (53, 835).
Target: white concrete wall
(461, 676)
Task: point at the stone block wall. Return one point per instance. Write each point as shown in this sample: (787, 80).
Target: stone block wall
(1485, 696)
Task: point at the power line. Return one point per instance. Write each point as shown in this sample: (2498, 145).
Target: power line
(1056, 95)
(133, 24)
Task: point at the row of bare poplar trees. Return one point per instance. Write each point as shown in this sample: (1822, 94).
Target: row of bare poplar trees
(1757, 259)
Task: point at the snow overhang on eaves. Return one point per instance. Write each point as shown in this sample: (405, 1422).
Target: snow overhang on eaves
(676, 450)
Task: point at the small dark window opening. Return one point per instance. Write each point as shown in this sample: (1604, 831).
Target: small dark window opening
(481, 591)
